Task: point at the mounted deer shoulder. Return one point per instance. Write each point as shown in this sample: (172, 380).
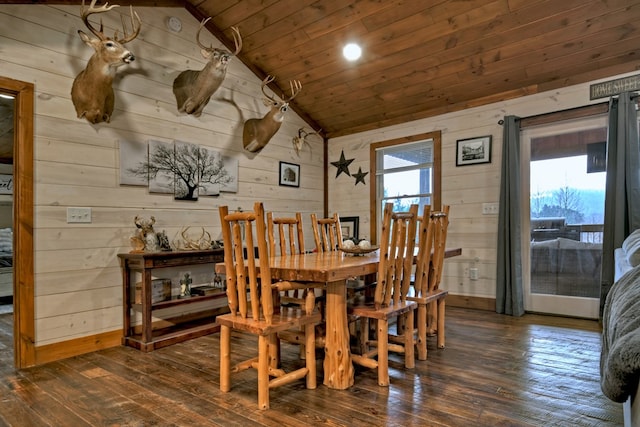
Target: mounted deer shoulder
(257, 132)
(91, 93)
(193, 89)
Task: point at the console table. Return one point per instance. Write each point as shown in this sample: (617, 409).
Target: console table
(144, 337)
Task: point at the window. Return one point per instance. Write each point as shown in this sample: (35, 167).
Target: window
(406, 171)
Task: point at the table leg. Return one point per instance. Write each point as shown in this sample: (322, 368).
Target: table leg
(338, 368)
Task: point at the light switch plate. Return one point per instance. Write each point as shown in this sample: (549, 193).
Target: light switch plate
(78, 215)
(490, 209)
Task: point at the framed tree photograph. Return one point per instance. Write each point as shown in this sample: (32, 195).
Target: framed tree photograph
(473, 151)
(289, 174)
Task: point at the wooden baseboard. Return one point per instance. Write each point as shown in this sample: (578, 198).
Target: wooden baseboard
(477, 303)
(65, 349)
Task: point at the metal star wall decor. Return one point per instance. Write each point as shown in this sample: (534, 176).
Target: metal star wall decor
(360, 176)
(342, 165)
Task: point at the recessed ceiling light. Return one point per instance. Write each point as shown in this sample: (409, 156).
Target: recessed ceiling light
(352, 51)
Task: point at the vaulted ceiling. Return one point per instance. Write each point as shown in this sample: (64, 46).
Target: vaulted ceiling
(420, 58)
(424, 58)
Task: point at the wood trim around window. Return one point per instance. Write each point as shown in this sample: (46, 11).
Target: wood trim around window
(437, 172)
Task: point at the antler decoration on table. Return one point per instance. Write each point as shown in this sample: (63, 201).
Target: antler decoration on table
(187, 243)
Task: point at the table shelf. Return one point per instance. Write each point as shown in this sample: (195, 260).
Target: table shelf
(144, 336)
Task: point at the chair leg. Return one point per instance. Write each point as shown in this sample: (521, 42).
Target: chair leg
(432, 321)
(263, 371)
(409, 342)
(225, 359)
(441, 307)
(310, 355)
(274, 351)
(383, 352)
(422, 332)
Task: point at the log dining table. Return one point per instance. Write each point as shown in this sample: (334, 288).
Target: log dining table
(331, 269)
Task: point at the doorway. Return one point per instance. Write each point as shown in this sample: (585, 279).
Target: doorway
(564, 176)
(22, 224)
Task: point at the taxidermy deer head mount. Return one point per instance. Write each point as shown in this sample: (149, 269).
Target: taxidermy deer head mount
(301, 139)
(91, 93)
(257, 132)
(193, 89)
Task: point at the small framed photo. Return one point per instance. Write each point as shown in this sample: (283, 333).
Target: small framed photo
(349, 226)
(473, 151)
(289, 174)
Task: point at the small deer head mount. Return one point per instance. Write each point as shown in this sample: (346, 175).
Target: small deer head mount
(301, 139)
(193, 89)
(91, 93)
(258, 132)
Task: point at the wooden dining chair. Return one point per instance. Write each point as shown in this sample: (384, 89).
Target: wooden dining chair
(327, 233)
(285, 236)
(255, 314)
(289, 241)
(390, 300)
(426, 286)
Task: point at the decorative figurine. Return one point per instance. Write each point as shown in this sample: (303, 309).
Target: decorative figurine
(145, 239)
(185, 286)
(163, 241)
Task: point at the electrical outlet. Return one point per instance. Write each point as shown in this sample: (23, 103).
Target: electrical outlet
(490, 209)
(78, 215)
(473, 273)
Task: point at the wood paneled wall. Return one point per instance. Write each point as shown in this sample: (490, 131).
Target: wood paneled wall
(78, 287)
(464, 188)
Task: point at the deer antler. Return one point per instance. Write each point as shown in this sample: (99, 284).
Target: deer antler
(236, 40)
(265, 82)
(85, 13)
(201, 242)
(134, 27)
(202, 46)
(301, 139)
(296, 87)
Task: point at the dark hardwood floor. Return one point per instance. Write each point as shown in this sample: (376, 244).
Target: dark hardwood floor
(496, 371)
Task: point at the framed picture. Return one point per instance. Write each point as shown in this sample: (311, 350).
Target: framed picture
(596, 157)
(473, 151)
(349, 226)
(289, 174)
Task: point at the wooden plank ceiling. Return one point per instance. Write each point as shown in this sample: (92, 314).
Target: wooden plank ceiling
(421, 58)
(424, 58)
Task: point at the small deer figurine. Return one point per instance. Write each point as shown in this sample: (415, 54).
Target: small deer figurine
(257, 132)
(193, 89)
(91, 93)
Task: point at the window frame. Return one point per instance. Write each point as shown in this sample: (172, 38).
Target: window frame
(436, 136)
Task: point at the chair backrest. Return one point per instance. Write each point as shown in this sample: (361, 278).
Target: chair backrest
(425, 248)
(440, 221)
(327, 233)
(397, 244)
(290, 234)
(243, 272)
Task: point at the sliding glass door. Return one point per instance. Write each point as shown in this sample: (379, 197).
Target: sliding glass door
(564, 176)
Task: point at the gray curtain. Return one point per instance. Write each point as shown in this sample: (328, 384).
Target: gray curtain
(509, 290)
(622, 200)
